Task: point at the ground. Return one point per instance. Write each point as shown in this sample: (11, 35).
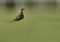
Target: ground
(37, 26)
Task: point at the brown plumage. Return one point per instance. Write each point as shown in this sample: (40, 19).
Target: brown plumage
(20, 16)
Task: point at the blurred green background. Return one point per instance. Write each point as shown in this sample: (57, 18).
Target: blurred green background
(39, 25)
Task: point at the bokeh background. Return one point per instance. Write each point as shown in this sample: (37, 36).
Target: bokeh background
(41, 22)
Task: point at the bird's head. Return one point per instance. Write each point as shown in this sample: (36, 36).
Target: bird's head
(22, 9)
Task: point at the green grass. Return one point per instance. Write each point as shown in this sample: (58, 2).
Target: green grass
(37, 26)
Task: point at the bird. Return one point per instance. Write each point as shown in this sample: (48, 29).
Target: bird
(20, 16)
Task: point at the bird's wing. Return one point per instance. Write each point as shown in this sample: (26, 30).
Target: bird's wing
(18, 17)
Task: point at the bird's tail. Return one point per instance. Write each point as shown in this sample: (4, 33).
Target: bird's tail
(12, 21)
